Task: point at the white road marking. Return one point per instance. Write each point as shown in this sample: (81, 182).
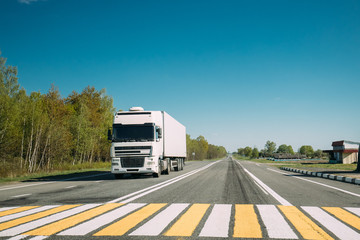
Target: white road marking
(22, 186)
(25, 213)
(6, 208)
(275, 223)
(322, 184)
(156, 225)
(102, 220)
(276, 171)
(22, 195)
(335, 226)
(328, 186)
(64, 180)
(71, 187)
(158, 186)
(280, 199)
(217, 225)
(354, 210)
(43, 221)
(38, 238)
(18, 237)
(261, 188)
(145, 189)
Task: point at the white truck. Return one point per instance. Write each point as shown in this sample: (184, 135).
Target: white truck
(146, 142)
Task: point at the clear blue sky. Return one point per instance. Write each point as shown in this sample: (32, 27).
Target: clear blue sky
(237, 72)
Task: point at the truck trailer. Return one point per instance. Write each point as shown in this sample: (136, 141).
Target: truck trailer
(146, 142)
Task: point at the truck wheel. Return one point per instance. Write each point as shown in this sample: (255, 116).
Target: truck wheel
(181, 164)
(119, 176)
(177, 168)
(156, 175)
(168, 166)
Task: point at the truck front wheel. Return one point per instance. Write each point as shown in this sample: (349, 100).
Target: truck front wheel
(156, 174)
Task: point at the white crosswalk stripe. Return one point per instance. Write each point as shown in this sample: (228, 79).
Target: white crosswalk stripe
(275, 223)
(38, 223)
(25, 213)
(156, 225)
(332, 224)
(6, 208)
(18, 237)
(102, 220)
(38, 238)
(354, 210)
(217, 223)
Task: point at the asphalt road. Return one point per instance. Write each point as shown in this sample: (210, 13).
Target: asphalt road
(208, 199)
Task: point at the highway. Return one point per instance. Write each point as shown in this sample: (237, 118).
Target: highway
(208, 199)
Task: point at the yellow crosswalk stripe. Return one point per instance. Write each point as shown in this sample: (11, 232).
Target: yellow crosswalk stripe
(124, 225)
(187, 223)
(345, 216)
(35, 216)
(246, 222)
(71, 221)
(16, 210)
(304, 225)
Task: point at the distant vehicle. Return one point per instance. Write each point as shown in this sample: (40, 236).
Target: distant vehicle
(146, 142)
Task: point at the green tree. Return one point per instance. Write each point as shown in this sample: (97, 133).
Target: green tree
(202, 149)
(307, 150)
(290, 149)
(255, 153)
(248, 151)
(241, 151)
(9, 111)
(285, 149)
(318, 153)
(270, 147)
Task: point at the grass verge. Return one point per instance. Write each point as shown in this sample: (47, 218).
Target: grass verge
(304, 164)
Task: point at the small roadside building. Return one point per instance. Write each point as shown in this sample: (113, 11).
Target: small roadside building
(344, 152)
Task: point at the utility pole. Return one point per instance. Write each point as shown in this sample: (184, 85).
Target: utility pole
(358, 163)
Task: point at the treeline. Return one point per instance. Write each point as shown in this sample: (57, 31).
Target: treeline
(199, 149)
(44, 131)
(282, 152)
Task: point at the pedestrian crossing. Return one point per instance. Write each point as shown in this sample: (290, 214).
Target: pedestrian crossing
(180, 220)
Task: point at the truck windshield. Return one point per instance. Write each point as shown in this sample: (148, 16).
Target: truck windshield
(133, 133)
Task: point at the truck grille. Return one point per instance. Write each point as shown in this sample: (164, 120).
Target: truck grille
(138, 150)
(129, 162)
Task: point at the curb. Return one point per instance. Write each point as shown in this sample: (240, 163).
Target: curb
(324, 175)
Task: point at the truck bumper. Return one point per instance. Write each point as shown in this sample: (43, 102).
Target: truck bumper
(150, 166)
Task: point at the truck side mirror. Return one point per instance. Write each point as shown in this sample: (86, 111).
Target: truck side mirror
(159, 131)
(109, 135)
